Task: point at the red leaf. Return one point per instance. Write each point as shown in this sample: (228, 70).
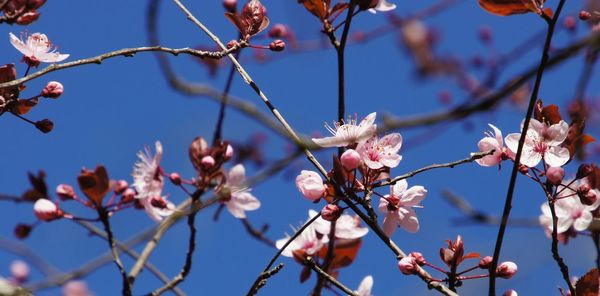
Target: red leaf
(344, 253)
(94, 184)
(24, 106)
(551, 115)
(305, 274)
(588, 284)
(508, 7)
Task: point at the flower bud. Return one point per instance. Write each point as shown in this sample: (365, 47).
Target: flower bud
(310, 185)
(350, 159)
(555, 175)
(331, 212)
(128, 196)
(278, 31)
(570, 23)
(588, 198)
(419, 258)
(485, 262)
(19, 271)
(584, 15)
(121, 186)
(22, 231)
(523, 169)
(510, 292)
(232, 44)
(65, 192)
(44, 125)
(46, 210)
(175, 178)
(408, 265)
(230, 5)
(228, 152)
(27, 18)
(506, 269)
(53, 90)
(277, 45)
(207, 162)
(584, 170)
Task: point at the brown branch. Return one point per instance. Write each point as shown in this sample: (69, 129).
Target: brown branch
(515, 170)
(322, 274)
(258, 234)
(261, 281)
(472, 158)
(564, 270)
(489, 101)
(104, 218)
(23, 251)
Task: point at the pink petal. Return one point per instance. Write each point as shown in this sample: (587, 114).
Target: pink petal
(399, 188)
(413, 196)
(390, 223)
(331, 142)
(557, 156)
(529, 157)
(557, 133)
(19, 45)
(408, 220)
(236, 176)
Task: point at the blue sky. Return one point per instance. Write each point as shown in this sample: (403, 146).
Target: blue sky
(109, 112)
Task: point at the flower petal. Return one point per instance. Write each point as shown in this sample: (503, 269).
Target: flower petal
(557, 156)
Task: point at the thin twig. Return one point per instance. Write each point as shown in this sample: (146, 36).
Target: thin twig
(256, 233)
(23, 251)
(104, 218)
(322, 274)
(515, 169)
(473, 157)
(564, 270)
(126, 52)
(263, 277)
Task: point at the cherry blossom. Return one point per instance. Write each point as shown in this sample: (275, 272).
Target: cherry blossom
(157, 207)
(492, 142)
(542, 141)
(365, 287)
(346, 226)
(310, 185)
(398, 207)
(383, 6)
(349, 133)
(46, 210)
(147, 179)
(378, 153)
(569, 210)
(240, 199)
(308, 241)
(37, 48)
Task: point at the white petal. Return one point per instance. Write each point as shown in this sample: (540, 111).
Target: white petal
(364, 289)
(413, 196)
(236, 176)
(557, 133)
(529, 157)
(19, 45)
(235, 210)
(557, 156)
(246, 201)
(52, 57)
(512, 141)
(583, 222)
(331, 142)
(399, 188)
(408, 220)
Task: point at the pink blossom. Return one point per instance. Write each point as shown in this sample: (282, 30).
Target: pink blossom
(398, 207)
(542, 141)
(76, 288)
(383, 6)
(241, 199)
(349, 133)
(346, 226)
(147, 179)
(378, 153)
(365, 287)
(569, 210)
(491, 142)
(308, 241)
(510, 292)
(53, 90)
(310, 185)
(19, 271)
(37, 48)
(46, 210)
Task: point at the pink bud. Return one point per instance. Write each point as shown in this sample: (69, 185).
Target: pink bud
(53, 90)
(584, 15)
(584, 170)
(65, 192)
(588, 198)
(46, 210)
(207, 162)
(510, 292)
(175, 178)
(310, 185)
(277, 45)
(19, 271)
(350, 159)
(228, 152)
(555, 175)
(419, 258)
(128, 196)
(570, 23)
(485, 262)
(230, 5)
(331, 212)
(121, 186)
(408, 265)
(278, 31)
(76, 288)
(485, 34)
(232, 44)
(506, 269)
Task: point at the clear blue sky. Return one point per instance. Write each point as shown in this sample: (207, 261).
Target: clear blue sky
(111, 111)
